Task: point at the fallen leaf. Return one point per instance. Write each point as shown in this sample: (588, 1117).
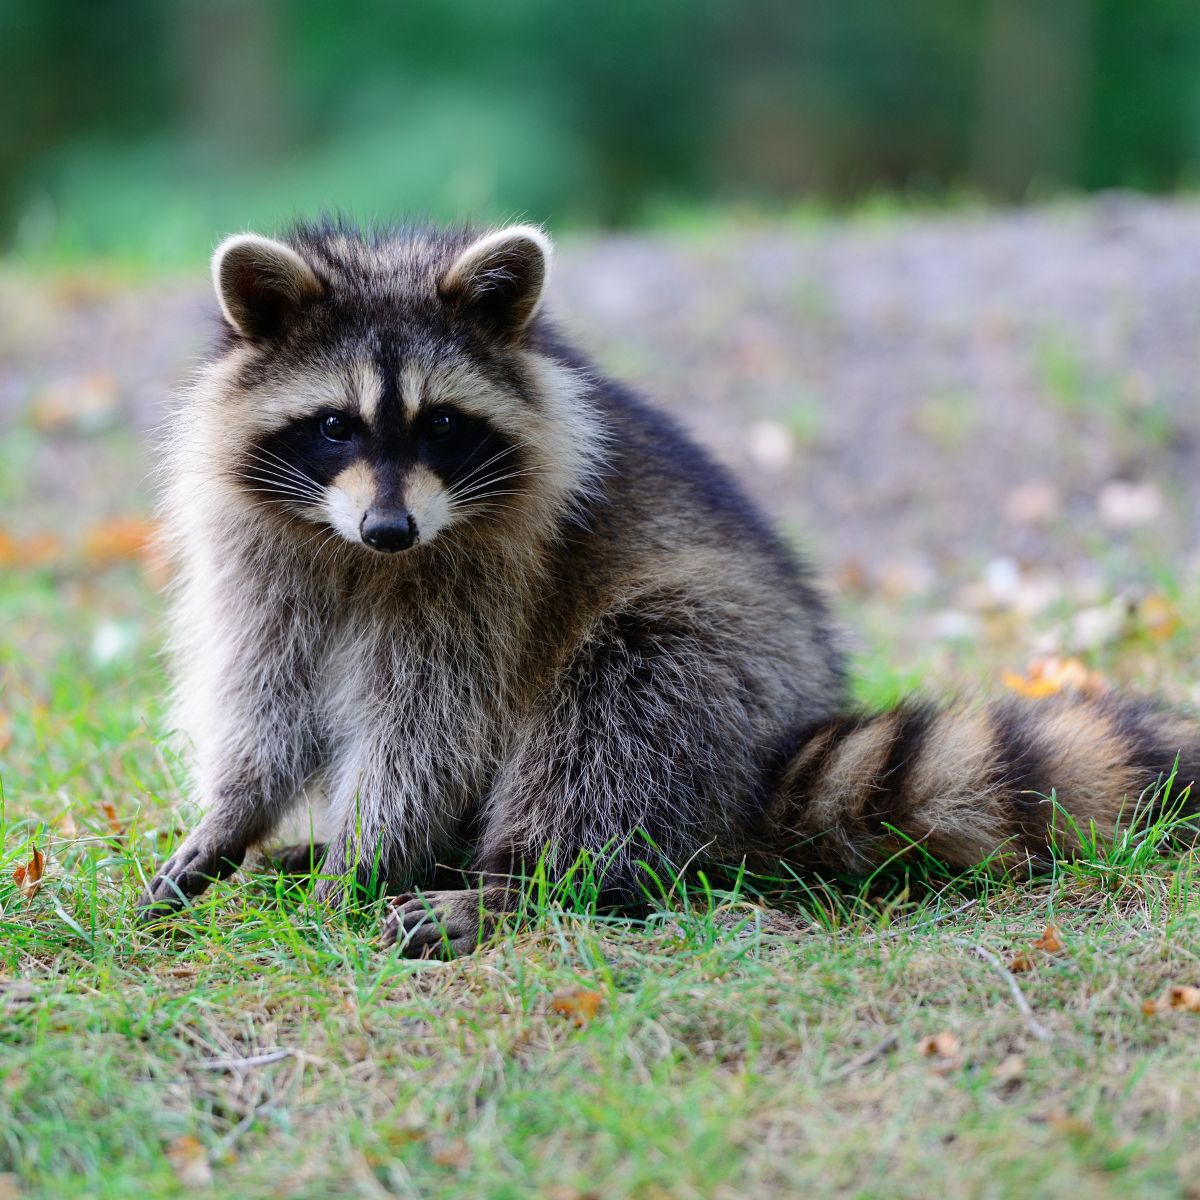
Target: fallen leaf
(118, 540)
(10, 1186)
(189, 1160)
(110, 815)
(38, 550)
(1158, 616)
(1051, 675)
(67, 826)
(1177, 998)
(1049, 941)
(29, 877)
(577, 1005)
(944, 1049)
(5, 732)
(1031, 689)
(1186, 998)
(939, 1044)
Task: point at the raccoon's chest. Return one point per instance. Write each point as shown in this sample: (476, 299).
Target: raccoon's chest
(418, 710)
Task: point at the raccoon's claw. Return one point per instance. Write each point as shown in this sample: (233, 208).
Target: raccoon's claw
(436, 924)
(196, 864)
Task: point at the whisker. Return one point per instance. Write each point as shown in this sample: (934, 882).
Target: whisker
(456, 480)
(281, 485)
(482, 485)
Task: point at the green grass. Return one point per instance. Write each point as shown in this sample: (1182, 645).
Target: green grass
(756, 1038)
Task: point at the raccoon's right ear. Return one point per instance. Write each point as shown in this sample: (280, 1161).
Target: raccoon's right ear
(260, 283)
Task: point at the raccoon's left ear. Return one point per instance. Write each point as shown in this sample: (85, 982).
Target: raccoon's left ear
(260, 283)
(500, 278)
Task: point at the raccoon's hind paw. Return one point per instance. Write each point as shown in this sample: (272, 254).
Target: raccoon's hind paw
(441, 924)
(201, 859)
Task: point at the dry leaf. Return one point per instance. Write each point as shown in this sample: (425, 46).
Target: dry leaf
(10, 1186)
(29, 877)
(5, 732)
(944, 1049)
(33, 550)
(1050, 676)
(1031, 689)
(1186, 998)
(116, 826)
(38, 550)
(118, 540)
(1158, 616)
(943, 1045)
(1177, 998)
(189, 1160)
(1049, 941)
(67, 826)
(577, 1005)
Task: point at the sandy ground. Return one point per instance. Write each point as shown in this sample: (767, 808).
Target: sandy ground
(913, 397)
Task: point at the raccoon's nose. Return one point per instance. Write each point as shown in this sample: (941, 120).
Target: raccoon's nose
(388, 529)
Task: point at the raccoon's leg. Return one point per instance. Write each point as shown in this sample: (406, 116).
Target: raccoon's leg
(245, 808)
(251, 725)
(392, 805)
(647, 750)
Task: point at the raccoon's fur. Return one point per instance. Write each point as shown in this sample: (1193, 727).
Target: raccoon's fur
(442, 584)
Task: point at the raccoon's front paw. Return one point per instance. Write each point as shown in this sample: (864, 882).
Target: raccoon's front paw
(441, 924)
(202, 858)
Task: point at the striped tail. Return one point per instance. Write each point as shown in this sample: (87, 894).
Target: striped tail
(969, 784)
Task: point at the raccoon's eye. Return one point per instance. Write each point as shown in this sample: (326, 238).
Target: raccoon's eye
(336, 428)
(440, 426)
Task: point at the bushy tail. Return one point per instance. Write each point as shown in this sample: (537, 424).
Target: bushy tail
(1010, 782)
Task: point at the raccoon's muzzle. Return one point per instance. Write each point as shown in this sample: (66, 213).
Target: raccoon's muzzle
(389, 529)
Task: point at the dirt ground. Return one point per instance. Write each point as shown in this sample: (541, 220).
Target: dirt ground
(913, 397)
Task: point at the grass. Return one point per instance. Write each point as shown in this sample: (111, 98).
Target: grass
(760, 1038)
(755, 1037)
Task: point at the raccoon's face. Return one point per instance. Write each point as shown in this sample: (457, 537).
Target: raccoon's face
(385, 393)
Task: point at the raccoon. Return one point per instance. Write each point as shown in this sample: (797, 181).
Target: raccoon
(443, 588)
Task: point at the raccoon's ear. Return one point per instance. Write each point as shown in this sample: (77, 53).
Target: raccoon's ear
(260, 283)
(500, 278)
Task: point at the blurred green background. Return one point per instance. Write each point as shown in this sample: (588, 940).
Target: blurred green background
(142, 128)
